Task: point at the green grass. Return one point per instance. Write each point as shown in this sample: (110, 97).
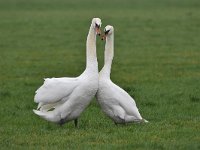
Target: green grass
(157, 61)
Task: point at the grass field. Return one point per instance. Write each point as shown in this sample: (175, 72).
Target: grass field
(157, 61)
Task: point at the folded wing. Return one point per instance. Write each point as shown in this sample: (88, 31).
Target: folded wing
(55, 89)
(126, 101)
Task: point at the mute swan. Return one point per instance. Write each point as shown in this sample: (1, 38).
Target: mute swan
(64, 99)
(114, 101)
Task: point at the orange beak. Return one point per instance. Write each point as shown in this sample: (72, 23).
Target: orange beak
(103, 37)
(98, 31)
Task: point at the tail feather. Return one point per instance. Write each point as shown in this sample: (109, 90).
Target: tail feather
(39, 105)
(49, 116)
(48, 107)
(144, 120)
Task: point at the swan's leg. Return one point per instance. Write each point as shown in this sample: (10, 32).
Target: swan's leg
(61, 122)
(124, 122)
(76, 123)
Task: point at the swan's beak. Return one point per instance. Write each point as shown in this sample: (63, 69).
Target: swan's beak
(98, 31)
(103, 37)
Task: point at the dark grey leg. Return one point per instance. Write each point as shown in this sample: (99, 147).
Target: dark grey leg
(124, 122)
(61, 122)
(76, 123)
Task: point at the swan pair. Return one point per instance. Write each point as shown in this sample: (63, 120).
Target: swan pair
(61, 100)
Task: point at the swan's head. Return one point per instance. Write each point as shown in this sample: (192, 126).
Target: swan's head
(108, 30)
(96, 22)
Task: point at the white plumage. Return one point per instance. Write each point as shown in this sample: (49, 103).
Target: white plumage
(114, 101)
(63, 99)
(55, 89)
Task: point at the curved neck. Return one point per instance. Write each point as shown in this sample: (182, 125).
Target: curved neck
(108, 56)
(91, 62)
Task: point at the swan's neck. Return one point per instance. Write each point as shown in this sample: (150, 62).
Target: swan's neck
(108, 56)
(91, 62)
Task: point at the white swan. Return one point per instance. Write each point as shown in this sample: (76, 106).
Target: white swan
(114, 101)
(64, 99)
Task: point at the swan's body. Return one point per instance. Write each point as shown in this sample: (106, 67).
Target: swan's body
(114, 101)
(68, 97)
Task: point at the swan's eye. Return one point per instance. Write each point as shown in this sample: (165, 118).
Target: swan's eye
(106, 32)
(97, 26)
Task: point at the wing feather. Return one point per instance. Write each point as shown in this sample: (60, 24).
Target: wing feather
(125, 101)
(55, 89)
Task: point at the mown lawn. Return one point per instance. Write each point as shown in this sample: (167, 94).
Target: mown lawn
(157, 61)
